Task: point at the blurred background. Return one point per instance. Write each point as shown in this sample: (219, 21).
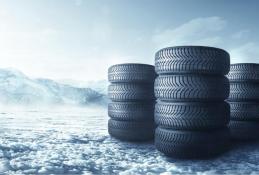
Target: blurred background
(73, 42)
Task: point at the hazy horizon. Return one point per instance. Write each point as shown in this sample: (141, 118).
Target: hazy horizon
(80, 39)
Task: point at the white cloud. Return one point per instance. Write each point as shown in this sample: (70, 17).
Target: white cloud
(198, 31)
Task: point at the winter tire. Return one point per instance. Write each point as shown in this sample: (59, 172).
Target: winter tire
(130, 92)
(244, 72)
(191, 144)
(244, 111)
(192, 59)
(131, 111)
(131, 73)
(244, 130)
(244, 91)
(192, 115)
(131, 131)
(191, 87)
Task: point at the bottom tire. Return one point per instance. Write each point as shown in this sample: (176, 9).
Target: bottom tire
(131, 131)
(244, 130)
(191, 144)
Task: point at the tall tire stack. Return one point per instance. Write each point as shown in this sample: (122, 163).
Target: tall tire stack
(131, 111)
(191, 113)
(244, 101)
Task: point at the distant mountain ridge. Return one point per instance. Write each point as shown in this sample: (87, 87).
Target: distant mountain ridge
(17, 88)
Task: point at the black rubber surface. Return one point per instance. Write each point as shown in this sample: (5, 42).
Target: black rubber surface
(192, 115)
(244, 91)
(191, 144)
(244, 111)
(131, 73)
(244, 130)
(191, 87)
(192, 59)
(131, 111)
(131, 92)
(131, 131)
(244, 72)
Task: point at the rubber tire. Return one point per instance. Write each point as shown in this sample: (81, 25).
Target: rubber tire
(192, 115)
(244, 91)
(131, 73)
(131, 131)
(131, 92)
(244, 130)
(131, 111)
(191, 87)
(244, 111)
(244, 72)
(190, 144)
(192, 59)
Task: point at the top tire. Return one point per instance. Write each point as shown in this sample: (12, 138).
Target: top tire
(192, 59)
(244, 72)
(132, 73)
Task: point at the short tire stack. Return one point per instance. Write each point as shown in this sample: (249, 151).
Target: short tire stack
(191, 113)
(131, 111)
(244, 101)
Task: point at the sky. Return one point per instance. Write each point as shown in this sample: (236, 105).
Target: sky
(80, 39)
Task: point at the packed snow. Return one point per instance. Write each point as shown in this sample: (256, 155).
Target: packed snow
(75, 141)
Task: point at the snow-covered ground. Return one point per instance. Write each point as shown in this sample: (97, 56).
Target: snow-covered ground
(75, 141)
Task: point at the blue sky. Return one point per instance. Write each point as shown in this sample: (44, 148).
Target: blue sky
(80, 39)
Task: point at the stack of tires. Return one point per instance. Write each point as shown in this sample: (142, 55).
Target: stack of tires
(191, 113)
(244, 101)
(131, 111)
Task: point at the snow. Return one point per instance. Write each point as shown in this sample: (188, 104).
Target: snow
(75, 141)
(17, 88)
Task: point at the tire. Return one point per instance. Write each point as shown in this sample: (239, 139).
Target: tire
(192, 115)
(244, 91)
(131, 131)
(192, 59)
(191, 87)
(131, 92)
(244, 111)
(131, 73)
(190, 144)
(244, 130)
(244, 72)
(131, 111)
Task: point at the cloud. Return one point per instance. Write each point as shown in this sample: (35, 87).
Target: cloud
(198, 31)
(208, 31)
(246, 53)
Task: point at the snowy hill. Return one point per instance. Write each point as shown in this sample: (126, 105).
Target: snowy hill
(17, 88)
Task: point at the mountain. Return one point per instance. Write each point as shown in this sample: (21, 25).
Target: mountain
(98, 85)
(17, 88)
